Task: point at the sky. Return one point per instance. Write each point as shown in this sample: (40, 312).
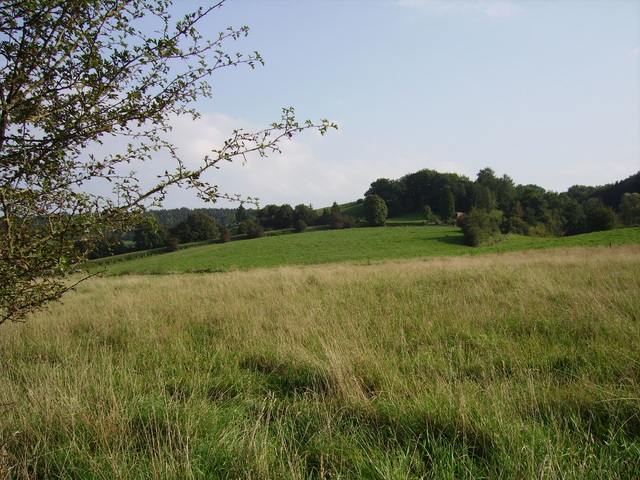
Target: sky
(546, 92)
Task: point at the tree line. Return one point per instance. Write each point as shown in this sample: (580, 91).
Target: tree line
(494, 205)
(484, 209)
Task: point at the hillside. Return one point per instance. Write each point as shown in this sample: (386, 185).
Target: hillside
(361, 245)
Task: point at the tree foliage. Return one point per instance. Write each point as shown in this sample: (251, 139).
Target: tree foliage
(524, 209)
(428, 215)
(630, 209)
(72, 74)
(447, 204)
(197, 227)
(225, 235)
(375, 211)
(305, 213)
(480, 227)
(241, 214)
(150, 234)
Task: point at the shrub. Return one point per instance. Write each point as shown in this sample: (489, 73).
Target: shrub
(375, 210)
(338, 221)
(253, 229)
(197, 227)
(517, 225)
(428, 214)
(173, 244)
(225, 235)
(480, 227)
(630, 209)
(600, 219)
(299, 226)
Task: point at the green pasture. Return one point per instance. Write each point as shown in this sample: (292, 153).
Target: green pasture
(360, 245)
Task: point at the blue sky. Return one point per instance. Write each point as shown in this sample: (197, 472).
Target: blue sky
(547, 92)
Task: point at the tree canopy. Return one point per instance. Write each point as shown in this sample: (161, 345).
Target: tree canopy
(74, 73)
(375, 211)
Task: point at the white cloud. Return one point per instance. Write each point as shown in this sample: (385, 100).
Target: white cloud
(293, 176)
(300, 174)
(494, 9)
(635, 51)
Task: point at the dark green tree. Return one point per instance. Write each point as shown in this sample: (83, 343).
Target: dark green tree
(428, 214)
(392, 192)
(305, 213)
(600, 219)
(266, 215)
(283, 217)
(299, 226)
(581, 192)
(572, 216)
(324, 218)
(252, 229)
(484, 198)
(375, 211)
(73, 73)
(150, 235)
(630, 209)
(447, 204)
(197, 227)
(241, 214)
(533, 201)
(173, 244)
(480, 227)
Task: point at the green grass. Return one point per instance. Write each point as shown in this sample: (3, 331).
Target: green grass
(516, 365)
(353, 209)
(361, 245)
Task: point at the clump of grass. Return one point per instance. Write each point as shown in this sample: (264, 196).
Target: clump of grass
(519, 365)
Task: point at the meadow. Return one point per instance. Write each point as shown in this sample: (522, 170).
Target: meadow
(359, 245)
(522, 364)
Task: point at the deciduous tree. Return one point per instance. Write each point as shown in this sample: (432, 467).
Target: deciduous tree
(72, 74)
(447, 204)
(375, 211)
(630, 208)
(197, 227)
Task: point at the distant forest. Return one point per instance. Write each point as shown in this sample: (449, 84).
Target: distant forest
(172, 217)
(522, 209)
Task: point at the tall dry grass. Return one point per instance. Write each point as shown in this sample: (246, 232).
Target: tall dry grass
(522, 365)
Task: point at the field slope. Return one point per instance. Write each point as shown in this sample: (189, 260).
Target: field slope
(361, 245)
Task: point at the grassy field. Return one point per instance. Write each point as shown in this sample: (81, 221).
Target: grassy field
(360, 245)
(513, 365)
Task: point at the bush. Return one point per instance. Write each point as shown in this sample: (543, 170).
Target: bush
(518, 226)
(338, 221)
(428, 214)
(225, 235)
(375, 210)
(197, 227)
(173, 244)
(630, 209)
(600, 219)
(253, 229)
(480, 227)
(299, 226)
